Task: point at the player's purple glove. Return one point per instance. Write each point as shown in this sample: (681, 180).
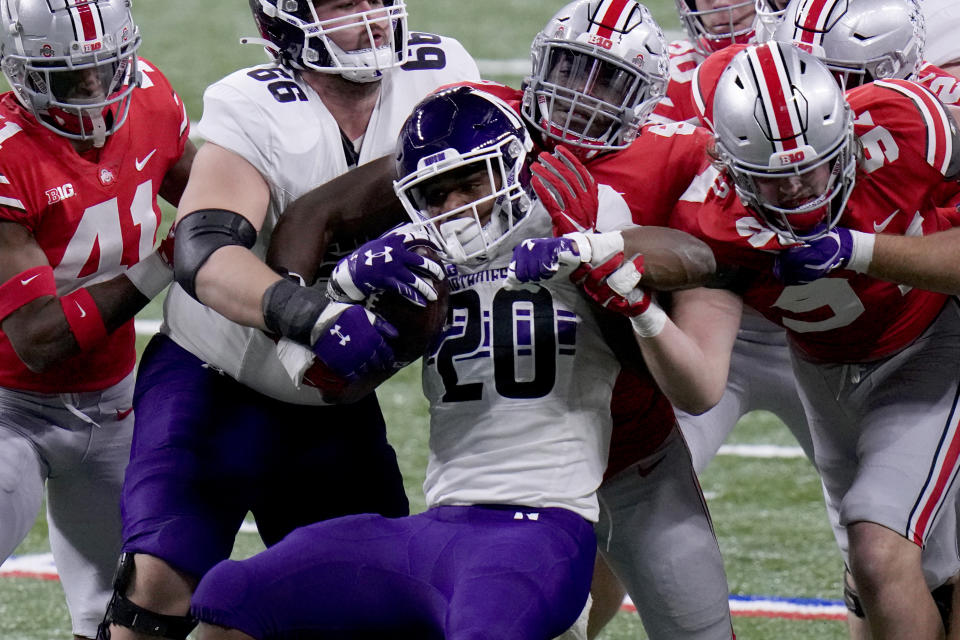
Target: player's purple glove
(355, 344)
(390, 262)
(538, 259)
(815, 258)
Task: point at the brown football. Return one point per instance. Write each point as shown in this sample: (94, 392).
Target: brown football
(417, 327)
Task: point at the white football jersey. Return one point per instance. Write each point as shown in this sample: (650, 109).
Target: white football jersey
(520, 387)
(273, 119)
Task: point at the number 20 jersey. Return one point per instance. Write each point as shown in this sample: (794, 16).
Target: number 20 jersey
(520, 387)
(273, 119)
(93, 216)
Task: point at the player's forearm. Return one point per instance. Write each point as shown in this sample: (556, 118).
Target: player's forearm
(232, 282)
(680, 370)
(929, 262)
(42, 336)
(690, 357)
(358, 204)
(672, 259)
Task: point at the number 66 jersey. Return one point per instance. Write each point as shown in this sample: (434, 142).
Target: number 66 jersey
(271, 117)
(94, 215)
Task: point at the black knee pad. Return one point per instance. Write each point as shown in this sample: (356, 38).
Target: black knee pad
(850, 596)
(124, 613)
(943, 596)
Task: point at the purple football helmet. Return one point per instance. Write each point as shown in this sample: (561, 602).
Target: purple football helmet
(465, 137)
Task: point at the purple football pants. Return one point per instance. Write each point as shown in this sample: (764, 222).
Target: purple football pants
(454, 572)
(207, 449)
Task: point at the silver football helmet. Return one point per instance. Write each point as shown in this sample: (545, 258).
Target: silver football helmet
(599, 69)
(293, 33)
(859, 40)
(784, 135)
(713, 29)
(71, 63)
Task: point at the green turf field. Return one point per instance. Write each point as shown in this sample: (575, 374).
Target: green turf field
(768, 513)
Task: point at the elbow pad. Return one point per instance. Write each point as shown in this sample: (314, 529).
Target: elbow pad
(201, 233)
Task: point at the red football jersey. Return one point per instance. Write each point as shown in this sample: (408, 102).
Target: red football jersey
(943, 85)
(848, 317)
(93, 215)
(677, 105)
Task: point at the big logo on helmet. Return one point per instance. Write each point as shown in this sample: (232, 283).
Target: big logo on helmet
(600, 41)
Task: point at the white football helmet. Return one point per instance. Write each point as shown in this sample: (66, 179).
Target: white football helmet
(782, 125)
(713, 29)
(599, 69)
(859, 40)
(465, 140)
(71, 63)
(291, 31)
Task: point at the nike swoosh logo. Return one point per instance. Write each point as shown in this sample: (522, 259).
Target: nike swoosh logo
(27, 281)
(878, 228)
(142, 163)
(83, 312)
(123, 414)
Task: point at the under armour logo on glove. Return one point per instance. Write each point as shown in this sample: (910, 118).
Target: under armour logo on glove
(336, 331)
(537, 259)
(402, 268)
(357, 344)
(370, 255)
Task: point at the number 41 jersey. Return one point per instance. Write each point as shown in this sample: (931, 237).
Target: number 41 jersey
(94, 215)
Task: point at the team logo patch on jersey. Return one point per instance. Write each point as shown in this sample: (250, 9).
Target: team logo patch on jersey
(60, 193)
(106, 176)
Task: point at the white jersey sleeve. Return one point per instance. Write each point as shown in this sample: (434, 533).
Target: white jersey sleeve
(270, 116)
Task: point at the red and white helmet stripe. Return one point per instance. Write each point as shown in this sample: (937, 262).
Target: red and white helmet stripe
(812, 18)
(87, 22)
(939, 138)
(612, 15)
(779, 107)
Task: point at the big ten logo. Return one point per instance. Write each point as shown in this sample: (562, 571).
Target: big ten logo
(600, 41)
(792, 157)
(96, 45)
(59, 193)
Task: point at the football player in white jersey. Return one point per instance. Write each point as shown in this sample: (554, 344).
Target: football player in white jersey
(518, 435)
(227, 430)
(91, 135)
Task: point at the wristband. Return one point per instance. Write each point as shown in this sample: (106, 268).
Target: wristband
(650, 323)
(26, 287)
(83, 318)
(861, 253)
(150, 276)
(291, 311)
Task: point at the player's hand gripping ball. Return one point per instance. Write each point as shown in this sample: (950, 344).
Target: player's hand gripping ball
(417, 326)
